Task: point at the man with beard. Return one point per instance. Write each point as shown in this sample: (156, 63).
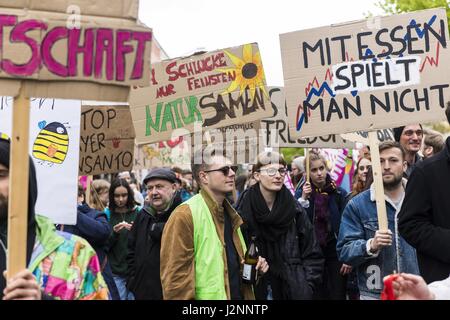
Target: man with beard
(59, 265)
(410, 138)
(377, 253)
(144, 240)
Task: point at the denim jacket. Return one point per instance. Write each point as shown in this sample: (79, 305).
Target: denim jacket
(358, 225)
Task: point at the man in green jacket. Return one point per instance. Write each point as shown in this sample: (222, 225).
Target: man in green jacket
(202, 248)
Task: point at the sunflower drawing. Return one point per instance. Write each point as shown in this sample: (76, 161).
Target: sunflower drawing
(248, 70)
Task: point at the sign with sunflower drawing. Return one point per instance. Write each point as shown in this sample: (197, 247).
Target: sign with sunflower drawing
(217, 89)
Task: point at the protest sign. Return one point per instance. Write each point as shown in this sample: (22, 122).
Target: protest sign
(85, 55)
(39, 57)
(118, 9)
(54, 147)
(240, 143)
(367, 75)
(176, 152)
(107, 139)
(279, 126)
(217, 89)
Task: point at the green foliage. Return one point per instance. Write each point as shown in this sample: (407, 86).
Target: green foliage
(289, 153)
(400, 6)
(442, 127)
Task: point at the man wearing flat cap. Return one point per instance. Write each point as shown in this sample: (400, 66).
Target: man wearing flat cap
(410, 137)
(144, 242)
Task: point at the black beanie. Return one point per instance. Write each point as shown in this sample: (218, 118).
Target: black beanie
(398, 133)
(32, 196)
(399, 130)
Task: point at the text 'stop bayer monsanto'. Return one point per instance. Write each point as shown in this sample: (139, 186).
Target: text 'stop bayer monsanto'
(366, 75)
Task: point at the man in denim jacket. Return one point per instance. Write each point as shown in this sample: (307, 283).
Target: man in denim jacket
(377, 253)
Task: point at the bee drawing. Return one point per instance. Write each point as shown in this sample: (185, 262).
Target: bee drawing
(52, 143)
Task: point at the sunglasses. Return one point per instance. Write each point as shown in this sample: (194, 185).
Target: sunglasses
(272, 171)
(225, 170)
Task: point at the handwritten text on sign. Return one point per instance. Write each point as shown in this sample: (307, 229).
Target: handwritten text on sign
(107, 140)
(217, 89)
(362, 76)
(35, 48)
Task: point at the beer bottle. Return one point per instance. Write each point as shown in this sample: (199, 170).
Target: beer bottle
(249, 274)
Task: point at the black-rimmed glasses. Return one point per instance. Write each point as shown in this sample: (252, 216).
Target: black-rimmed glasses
(273, 171)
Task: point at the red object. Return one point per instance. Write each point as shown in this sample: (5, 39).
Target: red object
(175, 142)
(388, 291)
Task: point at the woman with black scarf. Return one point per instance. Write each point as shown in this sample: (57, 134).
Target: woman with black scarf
(283, 233)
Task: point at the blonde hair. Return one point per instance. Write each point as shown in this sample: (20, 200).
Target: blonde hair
(434, 139)
(313, 156)
(98, 186)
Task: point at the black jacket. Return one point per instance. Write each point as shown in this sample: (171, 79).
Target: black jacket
(144, 246)
(424, 220)
(303, 257)
(93, 226)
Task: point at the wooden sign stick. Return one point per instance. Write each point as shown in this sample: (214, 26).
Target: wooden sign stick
(378, 180)
(307, 163)
(18, 186)
(88, 189)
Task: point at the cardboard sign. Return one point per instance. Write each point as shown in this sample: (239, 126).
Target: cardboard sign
(163, 154)
(54, 148)
(279, 126)
(217, 89)
(118, 9)
(107, 139)
(367, 75)
(240, 143)
(83, 56)
(363, 136)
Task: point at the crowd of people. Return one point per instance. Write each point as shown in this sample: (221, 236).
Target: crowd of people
(183, 234)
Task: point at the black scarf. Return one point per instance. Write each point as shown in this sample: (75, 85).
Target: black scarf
(269, 227)
(32, 196)
(158, 221)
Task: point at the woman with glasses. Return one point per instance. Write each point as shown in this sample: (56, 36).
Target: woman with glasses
(283, 233)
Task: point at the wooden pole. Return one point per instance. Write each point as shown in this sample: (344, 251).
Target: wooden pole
(307, 163)
(88, 190)
(18, 186)
(378, 180)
